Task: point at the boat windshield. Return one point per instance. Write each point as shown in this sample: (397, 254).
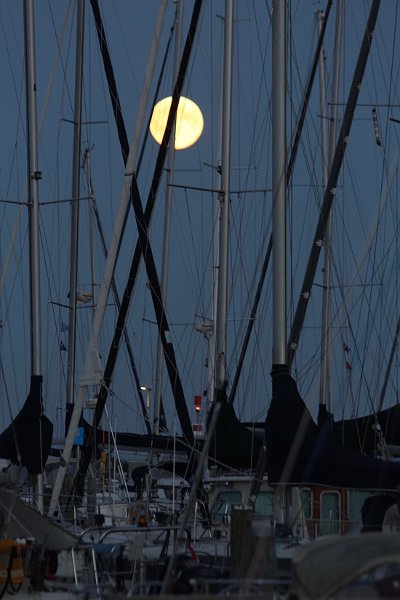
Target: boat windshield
(222, 506)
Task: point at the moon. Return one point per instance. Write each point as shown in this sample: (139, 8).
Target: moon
(189, 122)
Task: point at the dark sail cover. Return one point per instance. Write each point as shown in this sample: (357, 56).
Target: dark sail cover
(360, 433)
(27, 441)
(233, 444)
(300, 453)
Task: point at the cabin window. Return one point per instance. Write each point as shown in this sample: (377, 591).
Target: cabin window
(330, 513)
(264, 505)
(306, 503)
(223, 503)
(356, 501)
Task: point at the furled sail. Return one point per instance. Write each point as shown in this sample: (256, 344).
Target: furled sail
(27, 441)
(299, 452)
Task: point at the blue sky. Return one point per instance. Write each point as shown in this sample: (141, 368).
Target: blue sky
(130, 26)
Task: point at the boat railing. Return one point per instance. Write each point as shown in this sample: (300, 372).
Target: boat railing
(238, 587)
(119, 557)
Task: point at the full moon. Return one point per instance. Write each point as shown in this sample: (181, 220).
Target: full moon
(189, 122)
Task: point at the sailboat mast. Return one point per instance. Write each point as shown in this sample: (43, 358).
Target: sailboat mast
(34, 175)
(325, 375)
(324, 384)
(33, 199)
(167, 225)
(75, 203)
(279, 356)
(224, 202)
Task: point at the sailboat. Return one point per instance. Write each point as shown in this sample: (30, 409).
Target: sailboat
(27, 441)
(297, 450)
(334, 489)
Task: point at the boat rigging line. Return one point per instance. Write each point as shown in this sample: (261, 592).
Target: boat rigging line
(332, 181)
(143, 246)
